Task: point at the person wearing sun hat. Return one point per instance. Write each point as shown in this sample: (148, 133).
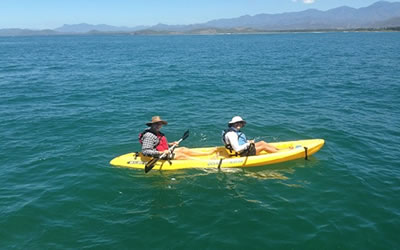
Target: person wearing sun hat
(154, 142)
(236, 142)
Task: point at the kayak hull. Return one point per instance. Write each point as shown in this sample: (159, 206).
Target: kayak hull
(288, 151)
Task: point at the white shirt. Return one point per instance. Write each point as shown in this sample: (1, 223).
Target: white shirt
(232, 138)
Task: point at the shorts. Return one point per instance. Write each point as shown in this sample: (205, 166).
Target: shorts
(250, 151)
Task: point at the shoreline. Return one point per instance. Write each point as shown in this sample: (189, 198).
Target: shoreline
(210, 31)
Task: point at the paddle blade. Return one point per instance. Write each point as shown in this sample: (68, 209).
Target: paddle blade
(150, 165)
(185, 135)
(148, 168)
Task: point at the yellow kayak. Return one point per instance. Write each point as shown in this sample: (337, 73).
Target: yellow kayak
(289, 150)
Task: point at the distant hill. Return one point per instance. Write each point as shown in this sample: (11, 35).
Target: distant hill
(373, 16)
(393, 22)
(84, 27)
(26, 32)
(380, 15)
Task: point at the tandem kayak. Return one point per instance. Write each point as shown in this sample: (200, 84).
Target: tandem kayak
(289, 150)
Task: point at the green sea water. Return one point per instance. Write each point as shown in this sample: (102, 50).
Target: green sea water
(69, 104)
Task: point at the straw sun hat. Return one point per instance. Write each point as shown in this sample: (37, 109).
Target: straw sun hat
(156, 119)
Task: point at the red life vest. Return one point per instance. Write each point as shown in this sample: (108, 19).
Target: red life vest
(163, 145)
(162, 140)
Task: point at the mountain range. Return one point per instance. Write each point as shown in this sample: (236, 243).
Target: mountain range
(381, 14)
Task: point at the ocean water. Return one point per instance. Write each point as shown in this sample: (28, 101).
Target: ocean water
(69, 104)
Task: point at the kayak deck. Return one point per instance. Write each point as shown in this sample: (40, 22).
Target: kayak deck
(289, 150)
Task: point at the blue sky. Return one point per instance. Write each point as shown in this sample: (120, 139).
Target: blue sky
(41, 14)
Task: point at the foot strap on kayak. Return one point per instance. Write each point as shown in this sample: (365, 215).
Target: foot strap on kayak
(306, 153)
(219, 164)
(136, 155)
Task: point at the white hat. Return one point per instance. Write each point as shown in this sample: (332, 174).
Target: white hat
(236, 119)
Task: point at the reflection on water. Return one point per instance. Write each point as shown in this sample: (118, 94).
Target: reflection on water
(267, 174)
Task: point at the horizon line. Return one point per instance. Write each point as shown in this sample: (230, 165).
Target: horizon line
(187, 24)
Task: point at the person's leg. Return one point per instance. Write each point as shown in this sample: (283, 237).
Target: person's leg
(181, 156)
(190, 152)
(263, 146)
(183, 153)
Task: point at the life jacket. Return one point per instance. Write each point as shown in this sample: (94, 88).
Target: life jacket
(162, 140)
(241, 140)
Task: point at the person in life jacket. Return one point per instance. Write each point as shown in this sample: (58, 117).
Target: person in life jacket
(237, 144)
(154, 142)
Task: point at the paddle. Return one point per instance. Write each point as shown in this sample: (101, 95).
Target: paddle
(150, 165)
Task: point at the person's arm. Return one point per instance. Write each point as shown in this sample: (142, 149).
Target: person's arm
(148, 142)
(234, 141)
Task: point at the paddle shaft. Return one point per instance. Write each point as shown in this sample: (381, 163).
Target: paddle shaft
(170, 150)
(150, 165)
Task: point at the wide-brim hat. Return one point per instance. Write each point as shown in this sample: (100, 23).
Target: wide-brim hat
(156, 119)
(237, 119)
